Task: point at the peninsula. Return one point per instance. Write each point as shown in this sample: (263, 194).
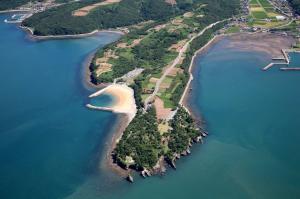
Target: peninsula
(149, 69)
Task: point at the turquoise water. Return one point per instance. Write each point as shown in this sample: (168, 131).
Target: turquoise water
(294, 60)
(50, 144)
(101, 100)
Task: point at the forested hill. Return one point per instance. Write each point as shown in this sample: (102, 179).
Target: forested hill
(11, 4)
(296, 5)
(59, 21)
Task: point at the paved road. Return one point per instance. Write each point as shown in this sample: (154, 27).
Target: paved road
(175, 62)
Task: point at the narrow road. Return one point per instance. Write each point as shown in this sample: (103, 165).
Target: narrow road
(175, 62)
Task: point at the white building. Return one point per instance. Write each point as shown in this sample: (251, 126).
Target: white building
(280, 17)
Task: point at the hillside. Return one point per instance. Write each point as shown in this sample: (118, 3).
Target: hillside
(60, 20)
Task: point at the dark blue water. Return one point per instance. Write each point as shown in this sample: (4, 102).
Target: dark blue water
(49, 142)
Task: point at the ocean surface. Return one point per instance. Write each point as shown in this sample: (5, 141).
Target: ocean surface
(51, 145)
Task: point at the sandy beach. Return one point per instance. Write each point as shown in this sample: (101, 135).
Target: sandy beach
(124, 105)
(76, 36)
(123, 99)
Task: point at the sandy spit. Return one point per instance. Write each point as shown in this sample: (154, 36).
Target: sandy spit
(124, 105)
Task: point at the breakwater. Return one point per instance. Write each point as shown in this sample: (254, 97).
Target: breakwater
(285, 61)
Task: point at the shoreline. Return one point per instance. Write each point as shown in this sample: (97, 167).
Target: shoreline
(124, 119)
(32, 36)
(75, 36)
(125, 109)
(9, 11)
(184, 98)
(106, 161)
(86, 72)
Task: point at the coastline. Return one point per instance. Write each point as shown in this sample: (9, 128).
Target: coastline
(184, 98)
(9, 11)
(125, 108)
(106, 161)
(123, 119)
(31, 34)
(86, 72)
(75, 36)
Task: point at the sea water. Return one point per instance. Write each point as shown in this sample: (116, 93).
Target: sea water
(51, 145)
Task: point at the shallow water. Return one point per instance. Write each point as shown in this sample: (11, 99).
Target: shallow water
(50, 144)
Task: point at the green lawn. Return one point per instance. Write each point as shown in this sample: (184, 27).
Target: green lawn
(233, 29)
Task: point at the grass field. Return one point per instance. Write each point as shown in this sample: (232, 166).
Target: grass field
(259, 15)
(233, 29)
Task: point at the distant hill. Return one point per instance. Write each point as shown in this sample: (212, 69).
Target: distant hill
(11, 4)
(60, 21)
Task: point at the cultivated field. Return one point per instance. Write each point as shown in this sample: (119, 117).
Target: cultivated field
(86, 10)
(264, 15)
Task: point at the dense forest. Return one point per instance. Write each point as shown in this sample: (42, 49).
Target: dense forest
(183, 133)
(296, 5)
(140, 146)
(59, 20)
(11, 4)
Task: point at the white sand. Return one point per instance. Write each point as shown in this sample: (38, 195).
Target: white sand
(124, 99)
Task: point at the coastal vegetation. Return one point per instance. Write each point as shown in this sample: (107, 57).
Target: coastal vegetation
(183, 133)
(140, 146)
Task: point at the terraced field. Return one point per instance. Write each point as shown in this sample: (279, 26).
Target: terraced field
(264, 15)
